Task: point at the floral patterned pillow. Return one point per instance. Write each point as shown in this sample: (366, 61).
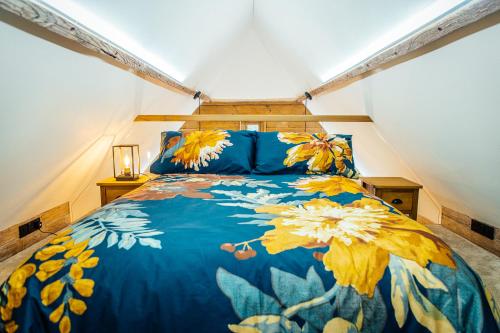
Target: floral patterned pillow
(304, 153)
(210, 151)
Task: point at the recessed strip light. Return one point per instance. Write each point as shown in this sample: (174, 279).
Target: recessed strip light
(95, 24)
(400, 32)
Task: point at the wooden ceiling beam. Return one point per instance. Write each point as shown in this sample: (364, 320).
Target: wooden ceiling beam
(459, 18)
(255, 118)
(280, 101)
(56, 22)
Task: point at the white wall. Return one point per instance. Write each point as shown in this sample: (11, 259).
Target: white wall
(440, 112)
(312, 37)
(373, 155)
(60, 113)
(182, 33)
(248, 71)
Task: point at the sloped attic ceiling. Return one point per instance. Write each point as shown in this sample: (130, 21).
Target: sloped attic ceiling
(79, 106)
(206, 44)
(183, 34)
(314, 38)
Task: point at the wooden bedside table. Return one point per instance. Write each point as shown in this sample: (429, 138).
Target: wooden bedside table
(399, 192)
(112, 189)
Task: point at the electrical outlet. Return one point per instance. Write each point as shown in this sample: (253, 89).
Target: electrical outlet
(483, 229)
(30, 227)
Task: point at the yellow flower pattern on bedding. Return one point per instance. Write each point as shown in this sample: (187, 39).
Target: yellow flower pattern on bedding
(72, 284)
(75, 258)
(370, 268)
(15, 294)
(329, 185)
(59, 270)
(360, 236)
(320, 150)
(199, 147)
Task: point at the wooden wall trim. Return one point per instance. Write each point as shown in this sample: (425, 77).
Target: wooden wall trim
(53, 220)
(255, 117)
(457, 19)
(461, 224)
(55, 21)
(283, 101)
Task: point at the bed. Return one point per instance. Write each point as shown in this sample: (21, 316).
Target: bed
(253, 253)
(261, 232)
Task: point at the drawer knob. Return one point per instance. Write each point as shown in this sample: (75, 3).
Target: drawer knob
(397, 201)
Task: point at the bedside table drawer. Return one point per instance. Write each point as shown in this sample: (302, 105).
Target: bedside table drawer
(398, 192)
(402, 201)
(112, 189)
(116, 192)
(111, 193)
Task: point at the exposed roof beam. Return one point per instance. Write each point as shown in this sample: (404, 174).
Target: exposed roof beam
(459, 18)
(255, 117)
(57, 22)
(282, 101)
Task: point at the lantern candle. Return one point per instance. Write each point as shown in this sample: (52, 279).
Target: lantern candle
(126, 170)
(126, 162)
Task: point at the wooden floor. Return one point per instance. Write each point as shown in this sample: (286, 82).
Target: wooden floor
(485, 263)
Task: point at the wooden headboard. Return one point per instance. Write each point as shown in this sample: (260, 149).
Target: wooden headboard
(254, 107)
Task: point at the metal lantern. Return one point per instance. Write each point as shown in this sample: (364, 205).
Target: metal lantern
(126, 162)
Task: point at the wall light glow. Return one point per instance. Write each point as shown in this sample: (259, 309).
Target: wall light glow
(401, 31)
(92, 22)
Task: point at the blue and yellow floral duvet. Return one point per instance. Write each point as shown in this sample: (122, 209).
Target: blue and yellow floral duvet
(207, 253)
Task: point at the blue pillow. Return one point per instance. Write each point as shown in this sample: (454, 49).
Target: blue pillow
(304, 153)
(210, 151)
